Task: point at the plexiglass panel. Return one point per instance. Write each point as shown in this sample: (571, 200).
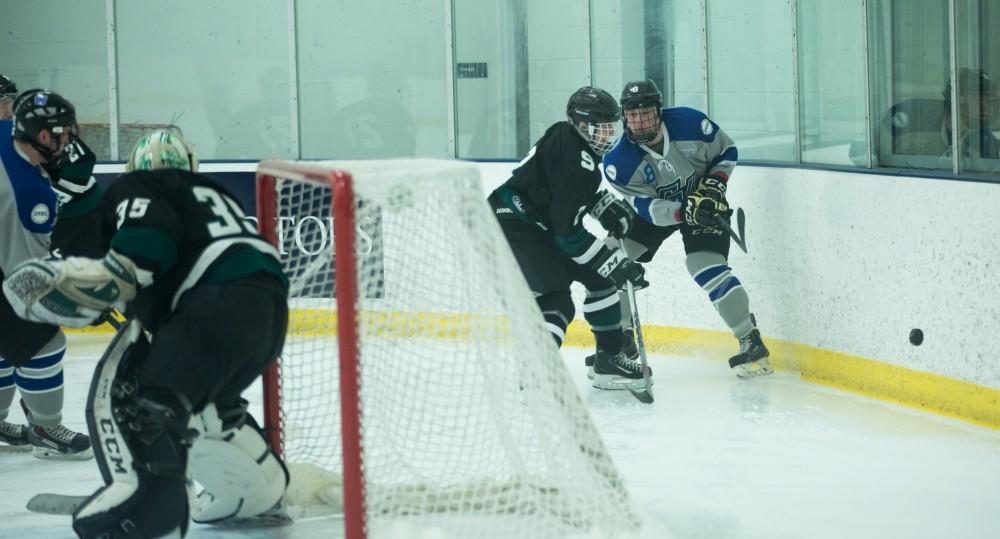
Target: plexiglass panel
(832, 94)
(751, 86)
(910, 70)
(63, 48)
(218, 70)
(372, 79)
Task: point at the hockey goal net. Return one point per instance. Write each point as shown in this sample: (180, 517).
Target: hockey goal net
(418, 388)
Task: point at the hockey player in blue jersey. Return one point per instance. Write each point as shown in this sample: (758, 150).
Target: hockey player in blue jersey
(33, 149)
(673, 165)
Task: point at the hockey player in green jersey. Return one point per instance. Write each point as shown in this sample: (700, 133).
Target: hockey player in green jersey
(193, 273)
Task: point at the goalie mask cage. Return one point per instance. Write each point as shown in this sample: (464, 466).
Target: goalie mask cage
(418, 387)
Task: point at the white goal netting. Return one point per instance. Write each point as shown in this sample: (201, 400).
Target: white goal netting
(471, 425)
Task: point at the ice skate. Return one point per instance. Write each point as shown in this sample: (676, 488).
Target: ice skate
(752, 359)
(13, 438)
(617, 371)
(628, 346)
(57, 443)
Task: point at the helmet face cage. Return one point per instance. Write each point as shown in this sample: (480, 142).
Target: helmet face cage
(162, 149)
(600, 112)
(641, 105)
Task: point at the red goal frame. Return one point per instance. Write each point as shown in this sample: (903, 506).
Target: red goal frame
(344, 267)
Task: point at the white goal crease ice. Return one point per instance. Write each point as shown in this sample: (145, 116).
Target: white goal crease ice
(429, 364)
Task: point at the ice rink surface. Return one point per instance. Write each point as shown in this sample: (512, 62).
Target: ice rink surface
(714, 458)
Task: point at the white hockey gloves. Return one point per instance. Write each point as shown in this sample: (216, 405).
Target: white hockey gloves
(71, 292)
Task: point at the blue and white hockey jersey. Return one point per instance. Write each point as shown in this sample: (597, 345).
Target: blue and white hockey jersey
(27, 206)
(657, 184)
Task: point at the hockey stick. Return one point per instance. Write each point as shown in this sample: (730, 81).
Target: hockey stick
(645, 394)
(741, 221)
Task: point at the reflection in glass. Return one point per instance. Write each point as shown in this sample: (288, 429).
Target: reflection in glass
(238, 108)
(908, 76)
(752, 90)
(832, 82)
(372, 79)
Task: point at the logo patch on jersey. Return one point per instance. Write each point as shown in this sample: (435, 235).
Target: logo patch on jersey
(706, 127)
(648, 174)
(612, 172)
(516, 201)
(40, 214)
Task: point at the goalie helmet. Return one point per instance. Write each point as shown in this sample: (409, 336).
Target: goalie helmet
(596, 108)
(38, 109)
(642, 94)
(162, 149)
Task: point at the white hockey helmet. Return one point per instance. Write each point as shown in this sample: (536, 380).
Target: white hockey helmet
(162, 149)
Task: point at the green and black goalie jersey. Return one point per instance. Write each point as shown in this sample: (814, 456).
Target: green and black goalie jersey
(554, 186)
(181, 229)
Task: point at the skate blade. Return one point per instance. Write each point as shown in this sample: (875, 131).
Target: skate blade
(614, 382)
(15, 448)
(590, 373)
(50, 454)
(754, 369)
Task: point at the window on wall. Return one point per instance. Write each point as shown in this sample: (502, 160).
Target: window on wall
(976, 101)
(909, 71)
(752, 88)
(832, 96)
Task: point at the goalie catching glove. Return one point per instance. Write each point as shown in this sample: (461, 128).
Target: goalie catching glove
(614, 214)
(707, 201)
(71, 292)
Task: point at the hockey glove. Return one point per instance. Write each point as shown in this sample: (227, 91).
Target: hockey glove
(619, 268)
(614, 214)
(72, 173)
(707, 201)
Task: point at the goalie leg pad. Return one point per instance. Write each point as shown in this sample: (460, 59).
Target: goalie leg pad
(242, 477)
(138, 449)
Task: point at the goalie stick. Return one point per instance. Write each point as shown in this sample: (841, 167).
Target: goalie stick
(67, 504)
(741, 221)
(645, 394)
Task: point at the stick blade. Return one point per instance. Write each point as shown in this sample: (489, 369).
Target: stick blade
(55, 504)
(644, 396)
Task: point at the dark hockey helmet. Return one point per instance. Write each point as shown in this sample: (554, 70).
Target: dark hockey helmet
(37, 109)
(599, 110)
(7, 86)
(642, 94)
(972, 84)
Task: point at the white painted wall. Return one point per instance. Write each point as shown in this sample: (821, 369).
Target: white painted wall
(851, 263)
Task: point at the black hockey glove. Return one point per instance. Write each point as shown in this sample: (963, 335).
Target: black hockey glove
(615, 214)
(619, 268)
(72, 173)
(707, 201)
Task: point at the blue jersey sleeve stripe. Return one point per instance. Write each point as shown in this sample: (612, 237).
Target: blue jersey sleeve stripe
(728, 157)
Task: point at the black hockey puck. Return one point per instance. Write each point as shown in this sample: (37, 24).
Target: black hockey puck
(916, 337)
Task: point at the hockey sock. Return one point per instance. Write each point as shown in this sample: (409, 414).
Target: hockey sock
(6, 388)
(725, 291)
(41, 383)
